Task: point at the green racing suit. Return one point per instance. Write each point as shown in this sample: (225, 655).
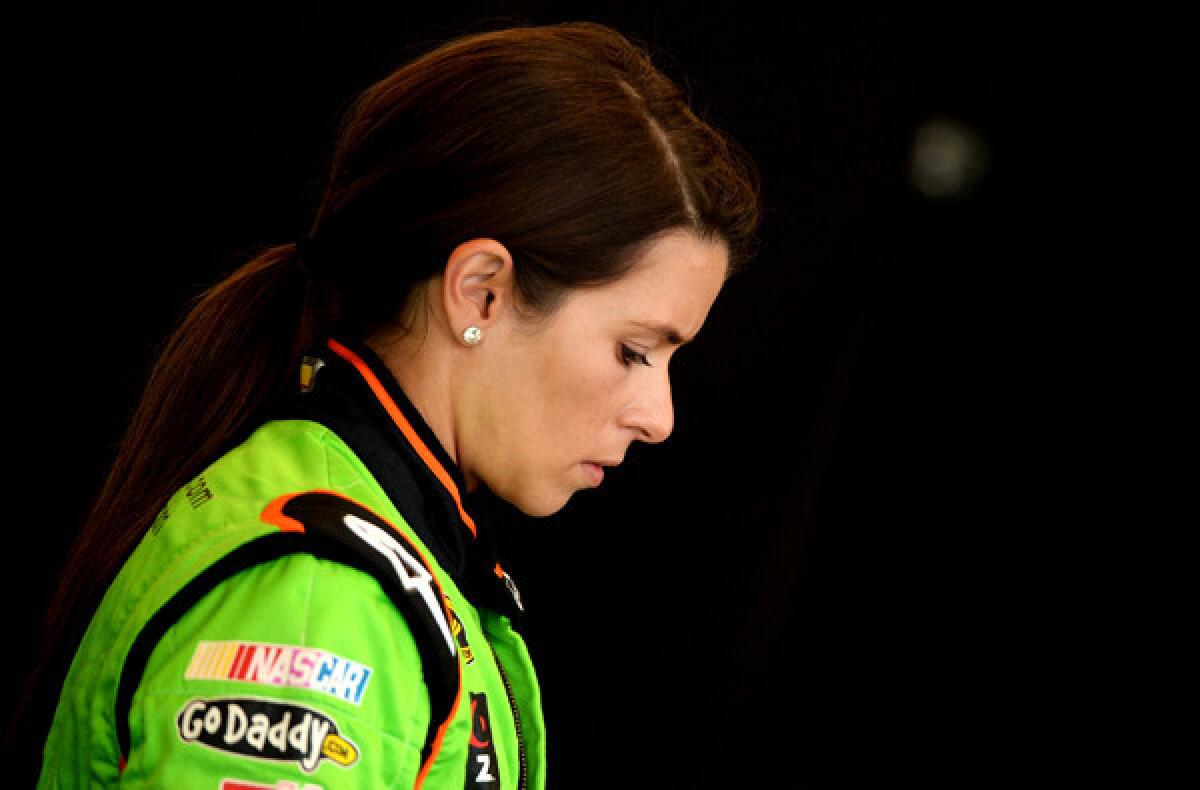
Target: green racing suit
(316, 609)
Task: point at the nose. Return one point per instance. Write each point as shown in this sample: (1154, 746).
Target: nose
(653, 416)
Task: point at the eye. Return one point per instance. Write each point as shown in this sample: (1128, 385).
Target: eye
(629, 357)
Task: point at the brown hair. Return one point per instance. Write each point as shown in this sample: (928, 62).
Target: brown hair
(563, 142)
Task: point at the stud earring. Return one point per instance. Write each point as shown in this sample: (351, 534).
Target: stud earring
(472, 335)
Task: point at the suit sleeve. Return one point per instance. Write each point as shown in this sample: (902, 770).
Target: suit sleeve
(297, 671)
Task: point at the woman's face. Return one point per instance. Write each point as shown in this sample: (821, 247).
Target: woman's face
(566, 395)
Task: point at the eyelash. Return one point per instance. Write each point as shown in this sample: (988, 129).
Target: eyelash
(629, 356)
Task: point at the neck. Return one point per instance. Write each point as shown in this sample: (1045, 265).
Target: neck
(423, 368)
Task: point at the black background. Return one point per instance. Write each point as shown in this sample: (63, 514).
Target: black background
(823, 579)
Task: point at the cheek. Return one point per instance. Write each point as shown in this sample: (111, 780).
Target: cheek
(576, 398)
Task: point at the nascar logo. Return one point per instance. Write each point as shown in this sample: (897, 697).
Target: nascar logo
(280, 665)
(267, 730)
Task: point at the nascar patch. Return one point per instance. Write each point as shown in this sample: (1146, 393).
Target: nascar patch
(266, 729)
(280, 665)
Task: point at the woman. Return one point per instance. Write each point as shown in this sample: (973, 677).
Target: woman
(518, 230)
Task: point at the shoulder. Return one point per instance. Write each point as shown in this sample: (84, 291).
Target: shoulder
(243, 591)
(335, 618)
(298, 663)
(332, 576)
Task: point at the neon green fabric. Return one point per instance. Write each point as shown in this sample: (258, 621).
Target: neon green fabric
(297, 669)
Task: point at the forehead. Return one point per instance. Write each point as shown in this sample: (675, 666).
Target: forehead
(674, 282)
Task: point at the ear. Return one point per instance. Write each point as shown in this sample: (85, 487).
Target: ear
(477, 284)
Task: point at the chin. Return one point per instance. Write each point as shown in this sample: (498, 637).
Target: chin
(539, 504)
(542, 509)
(533, 495)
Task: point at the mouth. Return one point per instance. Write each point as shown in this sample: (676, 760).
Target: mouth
(595, 470)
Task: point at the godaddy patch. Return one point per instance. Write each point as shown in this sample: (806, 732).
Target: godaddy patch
(266, 729)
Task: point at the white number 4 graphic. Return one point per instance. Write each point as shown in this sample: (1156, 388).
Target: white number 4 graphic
(411, 572)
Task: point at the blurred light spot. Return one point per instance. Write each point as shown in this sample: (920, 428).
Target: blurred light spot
(949, 159)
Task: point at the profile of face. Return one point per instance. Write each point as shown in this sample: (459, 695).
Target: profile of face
(547, 404)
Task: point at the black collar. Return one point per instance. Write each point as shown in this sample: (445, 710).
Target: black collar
(355, 395)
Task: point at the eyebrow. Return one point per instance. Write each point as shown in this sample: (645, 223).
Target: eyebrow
(668, 333)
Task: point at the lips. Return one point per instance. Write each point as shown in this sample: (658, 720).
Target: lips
(595, 469)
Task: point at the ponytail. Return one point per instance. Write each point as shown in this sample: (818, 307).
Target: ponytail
(215, 374)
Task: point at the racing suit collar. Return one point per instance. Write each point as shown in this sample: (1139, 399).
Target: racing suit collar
(354, 394)
(404, 417)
